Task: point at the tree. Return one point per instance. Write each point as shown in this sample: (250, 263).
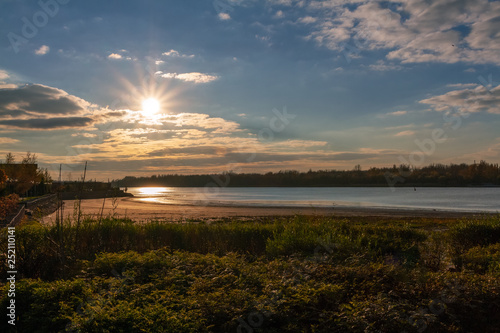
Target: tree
(29, 158)
(23, 176)
(9, 158)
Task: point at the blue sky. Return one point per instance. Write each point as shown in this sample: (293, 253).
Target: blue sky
(249, 86)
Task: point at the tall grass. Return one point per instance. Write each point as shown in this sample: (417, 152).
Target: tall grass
(50, 252)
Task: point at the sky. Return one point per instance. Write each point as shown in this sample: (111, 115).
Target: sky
(248, 85)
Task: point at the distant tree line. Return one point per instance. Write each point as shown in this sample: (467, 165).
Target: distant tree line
(477, 174)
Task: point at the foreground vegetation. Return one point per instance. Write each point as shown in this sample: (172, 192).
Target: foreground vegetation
(300, 274)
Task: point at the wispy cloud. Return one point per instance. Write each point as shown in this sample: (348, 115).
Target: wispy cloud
(473, 99)
(7, 141)
(461, 85)
(382, 66)
(46, 123)
(405, 133)
(393, 114)
(193, 77)
(397, 113)
(176, 54)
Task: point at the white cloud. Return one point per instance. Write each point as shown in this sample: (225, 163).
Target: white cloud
(473, 99)
(194, 77)
(224, 16)
(44, 49)
(279, 14)
(115, 56)
(176, 54)
(412, 31)
(382, 66)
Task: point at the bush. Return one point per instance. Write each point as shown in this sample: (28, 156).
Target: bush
(482, 259)
(472, 233)
(8, 205)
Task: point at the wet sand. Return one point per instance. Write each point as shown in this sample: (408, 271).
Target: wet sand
(142, 211)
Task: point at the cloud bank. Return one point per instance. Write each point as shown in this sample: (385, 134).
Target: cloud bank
(410, 31)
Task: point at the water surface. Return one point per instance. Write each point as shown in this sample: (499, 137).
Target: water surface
(472, 199)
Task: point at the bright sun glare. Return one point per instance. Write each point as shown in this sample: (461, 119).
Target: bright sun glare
(150, 106)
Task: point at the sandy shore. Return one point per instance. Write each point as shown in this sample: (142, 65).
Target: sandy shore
(146, 211)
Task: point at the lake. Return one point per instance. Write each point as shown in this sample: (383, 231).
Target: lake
(467, 199)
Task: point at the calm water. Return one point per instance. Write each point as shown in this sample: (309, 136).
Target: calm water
(463, 199)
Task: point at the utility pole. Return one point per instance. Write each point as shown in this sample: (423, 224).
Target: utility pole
(80, 196)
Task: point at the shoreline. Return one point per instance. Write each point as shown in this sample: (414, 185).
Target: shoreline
(141, 211)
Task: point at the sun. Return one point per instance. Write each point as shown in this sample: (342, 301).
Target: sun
(150, 106)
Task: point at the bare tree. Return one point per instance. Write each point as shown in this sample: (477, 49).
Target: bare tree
(9, 158)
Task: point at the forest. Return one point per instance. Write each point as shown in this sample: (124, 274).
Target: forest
(476, 174)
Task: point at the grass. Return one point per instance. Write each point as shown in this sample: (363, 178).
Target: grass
(297, 274)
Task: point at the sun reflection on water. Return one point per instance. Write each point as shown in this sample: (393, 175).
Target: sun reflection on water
(153, 191)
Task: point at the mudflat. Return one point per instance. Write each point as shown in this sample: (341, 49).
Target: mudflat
(142, 211)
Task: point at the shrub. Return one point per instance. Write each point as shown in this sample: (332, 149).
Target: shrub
(482, 259)
(471, 233)
(8, 205)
